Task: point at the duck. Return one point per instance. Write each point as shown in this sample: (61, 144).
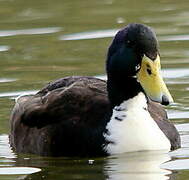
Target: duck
(82, 116)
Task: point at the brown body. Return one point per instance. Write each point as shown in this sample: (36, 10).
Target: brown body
(68, 118)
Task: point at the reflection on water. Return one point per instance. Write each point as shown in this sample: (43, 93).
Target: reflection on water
(4, 48)
(7, 160)
(178, 114)
(48, 30)
(177, 164)
(175, 73)
(5, 80)
(175, 38)
(90, 35)
(5, 150)
(112, 32)
(135, 166)
(16, 94)
(150, 165)
(142, 165)
(18, 170)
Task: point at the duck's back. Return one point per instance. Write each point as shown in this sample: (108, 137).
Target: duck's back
(66, 118)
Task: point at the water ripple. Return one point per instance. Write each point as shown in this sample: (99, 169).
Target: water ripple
(175, 73)
(4, 33)
(174, 38)
(179, 115)
(4, 48)
(90, 35)
(5, 80)
(111, 33)
(18, 93)
(18, 170)
(5, 150)
(180, 164)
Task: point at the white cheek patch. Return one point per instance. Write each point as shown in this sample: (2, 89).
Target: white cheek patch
(131, 128)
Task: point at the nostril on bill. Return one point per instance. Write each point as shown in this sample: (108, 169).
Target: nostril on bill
(165, 100)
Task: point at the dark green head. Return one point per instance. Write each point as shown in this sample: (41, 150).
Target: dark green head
(133, 66)
(129, 46)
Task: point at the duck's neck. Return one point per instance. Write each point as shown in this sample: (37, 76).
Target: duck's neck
(122, 88)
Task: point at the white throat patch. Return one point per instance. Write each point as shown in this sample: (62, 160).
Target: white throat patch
(131, 128)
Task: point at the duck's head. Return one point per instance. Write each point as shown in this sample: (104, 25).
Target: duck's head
(133, 58)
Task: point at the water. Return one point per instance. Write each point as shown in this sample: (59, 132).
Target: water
(43, 40)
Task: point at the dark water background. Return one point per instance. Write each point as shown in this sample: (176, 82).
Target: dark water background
(43, 40)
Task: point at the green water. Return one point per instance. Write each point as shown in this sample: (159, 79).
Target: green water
(33, 52)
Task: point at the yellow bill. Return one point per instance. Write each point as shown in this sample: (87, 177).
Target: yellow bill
(152, 82)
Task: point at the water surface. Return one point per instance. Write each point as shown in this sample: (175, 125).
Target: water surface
(43, 40)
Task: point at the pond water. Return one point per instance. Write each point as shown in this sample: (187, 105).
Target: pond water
(43, 40)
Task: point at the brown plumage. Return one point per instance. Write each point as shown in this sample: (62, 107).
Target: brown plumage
(71, 107)
(44, 123)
